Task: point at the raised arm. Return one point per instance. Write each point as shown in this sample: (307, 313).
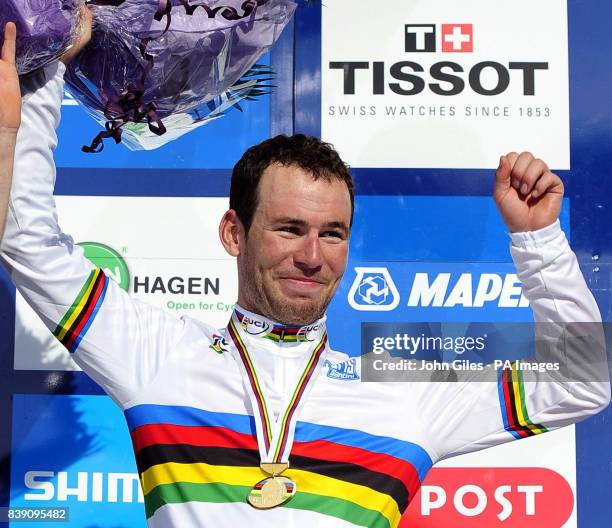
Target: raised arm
(120, 342)
(10, 117)
(529, 196)
(513, 403)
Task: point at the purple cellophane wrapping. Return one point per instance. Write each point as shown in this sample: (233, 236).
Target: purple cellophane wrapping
(45, 29)
(184, 74)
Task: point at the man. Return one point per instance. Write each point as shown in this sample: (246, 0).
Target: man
(228, 423)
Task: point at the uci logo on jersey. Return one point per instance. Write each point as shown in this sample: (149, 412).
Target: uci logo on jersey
(254, 326)
(308, 333)
(345, 370)
(373, 290)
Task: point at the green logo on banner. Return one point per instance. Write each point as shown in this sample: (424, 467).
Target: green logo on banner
(109, 261)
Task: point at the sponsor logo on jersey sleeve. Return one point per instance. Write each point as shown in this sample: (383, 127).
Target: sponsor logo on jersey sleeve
(344, 370)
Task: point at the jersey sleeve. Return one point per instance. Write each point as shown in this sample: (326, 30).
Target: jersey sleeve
(120, 342)
(474, 414)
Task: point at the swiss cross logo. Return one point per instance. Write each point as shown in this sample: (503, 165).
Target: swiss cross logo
(457, 38)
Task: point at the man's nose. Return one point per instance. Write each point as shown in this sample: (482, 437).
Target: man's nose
(309, 255)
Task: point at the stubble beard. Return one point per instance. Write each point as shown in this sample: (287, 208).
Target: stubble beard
(266, 300)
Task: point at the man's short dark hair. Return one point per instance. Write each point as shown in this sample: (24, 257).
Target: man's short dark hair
(308, 153)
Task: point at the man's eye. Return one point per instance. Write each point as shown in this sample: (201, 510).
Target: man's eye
(290, 229)
(333, 234)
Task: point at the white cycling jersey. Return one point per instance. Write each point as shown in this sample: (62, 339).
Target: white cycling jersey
(360, 450)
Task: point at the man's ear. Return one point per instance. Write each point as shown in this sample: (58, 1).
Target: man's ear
(231, 233)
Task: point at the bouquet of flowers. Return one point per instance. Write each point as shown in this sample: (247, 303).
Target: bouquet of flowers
(45, 29)
(156, 69)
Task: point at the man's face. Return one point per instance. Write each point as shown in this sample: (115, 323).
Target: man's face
(295, 253)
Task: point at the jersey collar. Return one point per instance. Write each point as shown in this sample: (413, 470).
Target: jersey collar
(260, 327)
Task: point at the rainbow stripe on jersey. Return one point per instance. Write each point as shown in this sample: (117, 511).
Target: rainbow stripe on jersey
(185, 454)
(512, 402)
(77, 320)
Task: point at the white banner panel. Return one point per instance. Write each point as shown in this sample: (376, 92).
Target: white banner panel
(445, 84)
(554, 451)
(168, 254)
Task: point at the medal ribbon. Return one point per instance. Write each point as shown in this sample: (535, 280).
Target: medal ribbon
(254, 382)
(285, 425)
(297, 395)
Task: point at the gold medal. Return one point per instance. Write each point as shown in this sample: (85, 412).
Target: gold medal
(274, 490)
(271, 492)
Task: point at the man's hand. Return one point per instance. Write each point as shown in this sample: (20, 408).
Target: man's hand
(527, 194)
(10, 96)
(82, 38)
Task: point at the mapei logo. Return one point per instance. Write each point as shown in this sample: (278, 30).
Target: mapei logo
(345, 370)
(454, 38)
(373, 290)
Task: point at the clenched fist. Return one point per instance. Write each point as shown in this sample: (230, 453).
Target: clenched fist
(527, 194)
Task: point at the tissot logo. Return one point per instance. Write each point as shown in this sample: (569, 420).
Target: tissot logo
(446, 78)
(454, 38)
